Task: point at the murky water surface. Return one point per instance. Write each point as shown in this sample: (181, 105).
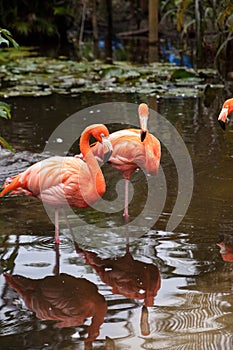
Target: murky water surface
(166, 290)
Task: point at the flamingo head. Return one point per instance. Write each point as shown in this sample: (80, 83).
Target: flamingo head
(101, 134)
(143, 113)
(222, 247)
(227, 108)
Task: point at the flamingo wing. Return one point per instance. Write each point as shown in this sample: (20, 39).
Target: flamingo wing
(55, 180)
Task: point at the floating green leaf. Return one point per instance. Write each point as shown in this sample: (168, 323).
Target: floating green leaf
(110, 72)
(182, 73)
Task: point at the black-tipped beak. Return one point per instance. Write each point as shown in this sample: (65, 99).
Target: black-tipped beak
(107, 146)
(143, 135)
(222, 124)
(107, 155)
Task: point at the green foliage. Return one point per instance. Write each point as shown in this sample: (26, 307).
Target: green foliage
(61, 11)
(5, 113)
(182, 7)
(40, 25)
(5, 110)
(225, 24)
(27, 18)
(225, 15)
(211, 20)
(6, 145)
(6, 38)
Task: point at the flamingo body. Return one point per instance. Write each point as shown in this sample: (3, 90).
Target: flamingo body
(129, 153)
(56, 181)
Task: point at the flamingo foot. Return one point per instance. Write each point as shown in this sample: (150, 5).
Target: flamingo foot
(57, 240)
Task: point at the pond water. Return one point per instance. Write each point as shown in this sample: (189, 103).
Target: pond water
(165, 290)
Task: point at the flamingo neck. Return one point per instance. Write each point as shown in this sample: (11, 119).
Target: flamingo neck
(94, 168)
(100, 309)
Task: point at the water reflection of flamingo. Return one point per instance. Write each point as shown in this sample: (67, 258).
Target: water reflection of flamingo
(226, 251)
(58, 180)
(62, 298)
(132, 149)
(129, 277)
(226, 110)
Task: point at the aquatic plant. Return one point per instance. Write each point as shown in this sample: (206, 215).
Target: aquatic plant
(5, 110)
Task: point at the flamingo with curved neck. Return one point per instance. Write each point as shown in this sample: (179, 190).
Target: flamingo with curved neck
(57, 181)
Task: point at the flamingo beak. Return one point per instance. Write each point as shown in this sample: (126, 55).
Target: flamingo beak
(143, 125)
(143, 135)
(222, 124)
(107, 147)
(222, 247)
(223, 117)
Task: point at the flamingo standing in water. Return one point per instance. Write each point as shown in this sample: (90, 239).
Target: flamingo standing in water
(61, 180)
(227, 108)
(132, 149)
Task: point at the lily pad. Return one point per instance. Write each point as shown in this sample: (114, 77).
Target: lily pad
(182, 73)
(110, 72)
(39, 76)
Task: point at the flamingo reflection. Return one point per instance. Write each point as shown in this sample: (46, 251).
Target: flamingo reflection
(63, 298)
(129, 277)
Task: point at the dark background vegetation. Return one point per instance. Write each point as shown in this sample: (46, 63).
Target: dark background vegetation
(78, 28)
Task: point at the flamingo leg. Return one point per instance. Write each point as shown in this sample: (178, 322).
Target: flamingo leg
(68, 224)
(78, 250)
(57, 240)
(126, 212)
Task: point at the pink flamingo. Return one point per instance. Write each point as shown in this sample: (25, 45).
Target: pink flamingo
(226, 251)
(58, 180)
(132, 149)
(227, 108)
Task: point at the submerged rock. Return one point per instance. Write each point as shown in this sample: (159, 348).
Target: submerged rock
(12, 164)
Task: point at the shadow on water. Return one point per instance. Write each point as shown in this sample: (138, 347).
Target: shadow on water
(164, 290)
